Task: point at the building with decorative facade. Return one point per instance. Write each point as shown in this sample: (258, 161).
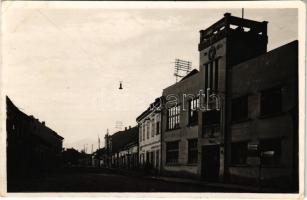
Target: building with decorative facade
(149, 124)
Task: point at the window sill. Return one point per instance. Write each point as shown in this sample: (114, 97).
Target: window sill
(192, 124)
(169, 130)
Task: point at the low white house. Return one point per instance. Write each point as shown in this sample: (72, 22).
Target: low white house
(149, 123)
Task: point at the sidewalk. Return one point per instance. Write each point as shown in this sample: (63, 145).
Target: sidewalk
(228, 186)
(234, 187)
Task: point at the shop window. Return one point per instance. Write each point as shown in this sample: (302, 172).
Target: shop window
(239, 153)
(172, 152)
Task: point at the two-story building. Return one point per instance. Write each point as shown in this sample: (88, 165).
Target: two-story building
(149, 123)
(236, 119)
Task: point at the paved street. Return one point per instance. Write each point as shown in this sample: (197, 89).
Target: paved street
(102, 182)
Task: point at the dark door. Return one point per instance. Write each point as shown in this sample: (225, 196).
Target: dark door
(210, 162)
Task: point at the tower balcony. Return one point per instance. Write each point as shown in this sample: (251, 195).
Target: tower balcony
(231, 25)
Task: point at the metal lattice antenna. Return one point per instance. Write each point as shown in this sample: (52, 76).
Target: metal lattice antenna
(119, 125)
(182, 68)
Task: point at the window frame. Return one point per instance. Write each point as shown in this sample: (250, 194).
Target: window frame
(263, 98)
(175, 151)
(193, 111)
(158, 128)
(173, 117)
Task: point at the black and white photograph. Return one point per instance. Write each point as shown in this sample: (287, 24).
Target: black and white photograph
(153, 98)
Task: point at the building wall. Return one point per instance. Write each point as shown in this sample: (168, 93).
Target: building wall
(191, 85)
(218, 136)
(150, 139)
(277, 68)
(32, 147)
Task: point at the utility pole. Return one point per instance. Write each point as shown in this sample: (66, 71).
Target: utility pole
(98, 142)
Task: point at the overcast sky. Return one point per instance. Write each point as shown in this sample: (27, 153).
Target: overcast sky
(64, 65)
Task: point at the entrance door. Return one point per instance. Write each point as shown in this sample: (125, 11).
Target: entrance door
(210, 162)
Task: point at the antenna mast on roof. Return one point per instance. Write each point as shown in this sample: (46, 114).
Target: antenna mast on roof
(119, 125)
(182, 68)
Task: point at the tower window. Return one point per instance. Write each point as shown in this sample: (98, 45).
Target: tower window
(211, 117)
(212, 74)
(193, 111)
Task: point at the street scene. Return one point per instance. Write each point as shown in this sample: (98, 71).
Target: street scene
(175, 100)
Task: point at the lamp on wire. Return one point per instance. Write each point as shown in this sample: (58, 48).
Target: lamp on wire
(120, 85)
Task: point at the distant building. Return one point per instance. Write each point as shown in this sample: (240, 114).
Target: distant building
(70, 157)
(122, 148)
(32, 147)
(149, 123)
(99, 157)
(246, 130)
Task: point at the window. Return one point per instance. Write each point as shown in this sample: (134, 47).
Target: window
(211, 75)
(143, 131)
(271, 151)
(193, 111)
(173, 117)
(239, 109)
(211, 117)
(271, 101)
(193, 152)
(147, 131)
(140, 130)
(158, 128)
(172, 152)
(153, 127)
(239, 153)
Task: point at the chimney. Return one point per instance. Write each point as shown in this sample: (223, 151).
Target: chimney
(129, 127)
(125, 128)
(43, 123)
